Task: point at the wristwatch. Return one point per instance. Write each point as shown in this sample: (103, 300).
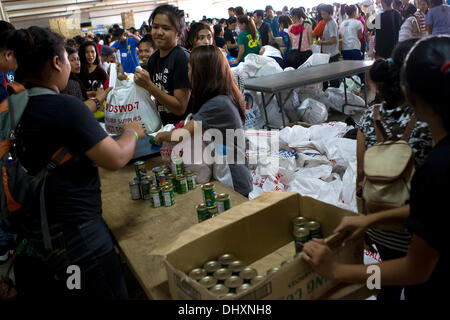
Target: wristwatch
(97, 103)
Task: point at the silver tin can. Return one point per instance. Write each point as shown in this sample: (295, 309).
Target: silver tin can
(226, 259)
(208, 282)
(135, 190)
(219, 289)
(248, 274)
(243, 288)
(222, 274)
(233, 282)
(211, 266)
(272, 271)
(236, 266)
(197, 274)
(258, 279)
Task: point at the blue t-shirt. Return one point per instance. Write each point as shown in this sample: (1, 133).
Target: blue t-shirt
(439, 18)
(273, 25)
(128, 54)
(3, 92)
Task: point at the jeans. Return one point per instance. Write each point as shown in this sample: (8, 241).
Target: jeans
(390, 293)
(354, 55)
(89, 247)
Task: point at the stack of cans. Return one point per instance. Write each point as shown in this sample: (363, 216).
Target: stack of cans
(161, 183)
(226, 277)
(212, 204)
(303, 231)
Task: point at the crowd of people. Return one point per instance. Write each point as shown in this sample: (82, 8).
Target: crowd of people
(186, 67)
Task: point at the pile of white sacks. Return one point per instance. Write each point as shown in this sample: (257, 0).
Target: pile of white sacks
(316, 161)
(308, 104)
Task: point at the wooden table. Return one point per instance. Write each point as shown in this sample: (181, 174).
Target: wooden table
(139, 229)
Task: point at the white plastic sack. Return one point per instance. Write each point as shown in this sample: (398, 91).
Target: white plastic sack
(258, 66)
(289, 136)
(337, 98)
(352, 85)
(316, 48)
(312, 111)
(328, 130)
(253, 116)
(315, 60)
(128, 102)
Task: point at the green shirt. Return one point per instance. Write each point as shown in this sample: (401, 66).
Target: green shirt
(251, 46)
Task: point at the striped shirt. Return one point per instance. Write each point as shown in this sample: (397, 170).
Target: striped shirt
(421, 17)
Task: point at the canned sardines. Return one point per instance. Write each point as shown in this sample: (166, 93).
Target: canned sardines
(233, 282)
(301, 237)
(177, 166)
(219, 289)
(243, 288)
(197, 273)
(140, 168)
(202, 212)
(182, 186)
(223, 202)
(299, 222)
(135, 190)
(248, 274)
(160, 176)
(257, 279)
(145, 188)
(208, 282)
(155, 197)
(213, 211)
(314, 229)
(209, 194)
(190, 180)
(168, 196)
(236, 266)
(272, 271)
(226, 259)
(211, 266)
(222, 274)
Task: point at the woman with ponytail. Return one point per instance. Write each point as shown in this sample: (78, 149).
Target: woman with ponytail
(425, 83)
(249, 40)
(72, 192)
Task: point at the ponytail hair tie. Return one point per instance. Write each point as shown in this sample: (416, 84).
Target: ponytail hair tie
(390, 61)
(445, 67)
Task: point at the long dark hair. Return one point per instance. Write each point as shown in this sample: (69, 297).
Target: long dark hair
(426, 73)
(386, 73)
(82, 53)
(211, 76)
(249, 26)
(193, 33)
(33, 47)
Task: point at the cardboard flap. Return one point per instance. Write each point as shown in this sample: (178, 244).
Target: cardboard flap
(387, 160)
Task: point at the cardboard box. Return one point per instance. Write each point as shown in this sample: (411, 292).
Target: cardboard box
(259, 232)
(66, 27)
(127, 19)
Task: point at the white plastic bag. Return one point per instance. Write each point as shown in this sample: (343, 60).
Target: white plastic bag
(253, 117)
(258, 66)
(337, 99)
(128, 102)
(328, 130)
(312, 111)
(352, 85)
(316, 48)
(315, 60)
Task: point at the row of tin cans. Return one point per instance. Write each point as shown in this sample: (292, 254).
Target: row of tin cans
(226, 276)
(223, 203)
(304, 230)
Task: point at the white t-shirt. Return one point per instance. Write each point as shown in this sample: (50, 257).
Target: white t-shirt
(331, 31)
(349, 31)
(407, 30)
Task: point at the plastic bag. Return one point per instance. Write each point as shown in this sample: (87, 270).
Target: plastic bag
(337, 99)
(353, 85)
(253, 117)
(315, 60)
(316, 48)
(312, 111)
(258, 66)
(328, 130)
(128, 102)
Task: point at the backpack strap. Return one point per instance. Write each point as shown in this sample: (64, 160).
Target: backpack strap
(409, 128)
(380, 132)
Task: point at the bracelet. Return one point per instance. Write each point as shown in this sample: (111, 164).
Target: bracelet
(135, 133)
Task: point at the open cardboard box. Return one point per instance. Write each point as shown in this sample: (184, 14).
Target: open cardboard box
(259, 232)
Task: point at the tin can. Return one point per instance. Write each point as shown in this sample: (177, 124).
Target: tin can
(248, 274)
(208, 282)
(213, 211)
(140, 168)
(219, 289)
(233, 282)
(315, 230)
(135, 190)
(243, 288)
(301, 236)
(211, 266)
(222, 274)
(145, 189)
(197, 274)
(177, 166)
(155, 197)
(299, 222)
(173, 179)
(202, 212)
(160, 176)
(272, 271)
(229, 295)
(182, 186)
(257, 279)
(209, 194)
(166, 170)
(236, 266)
(190, 180)
(223, 202)
(168, 196)
(226, 259)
